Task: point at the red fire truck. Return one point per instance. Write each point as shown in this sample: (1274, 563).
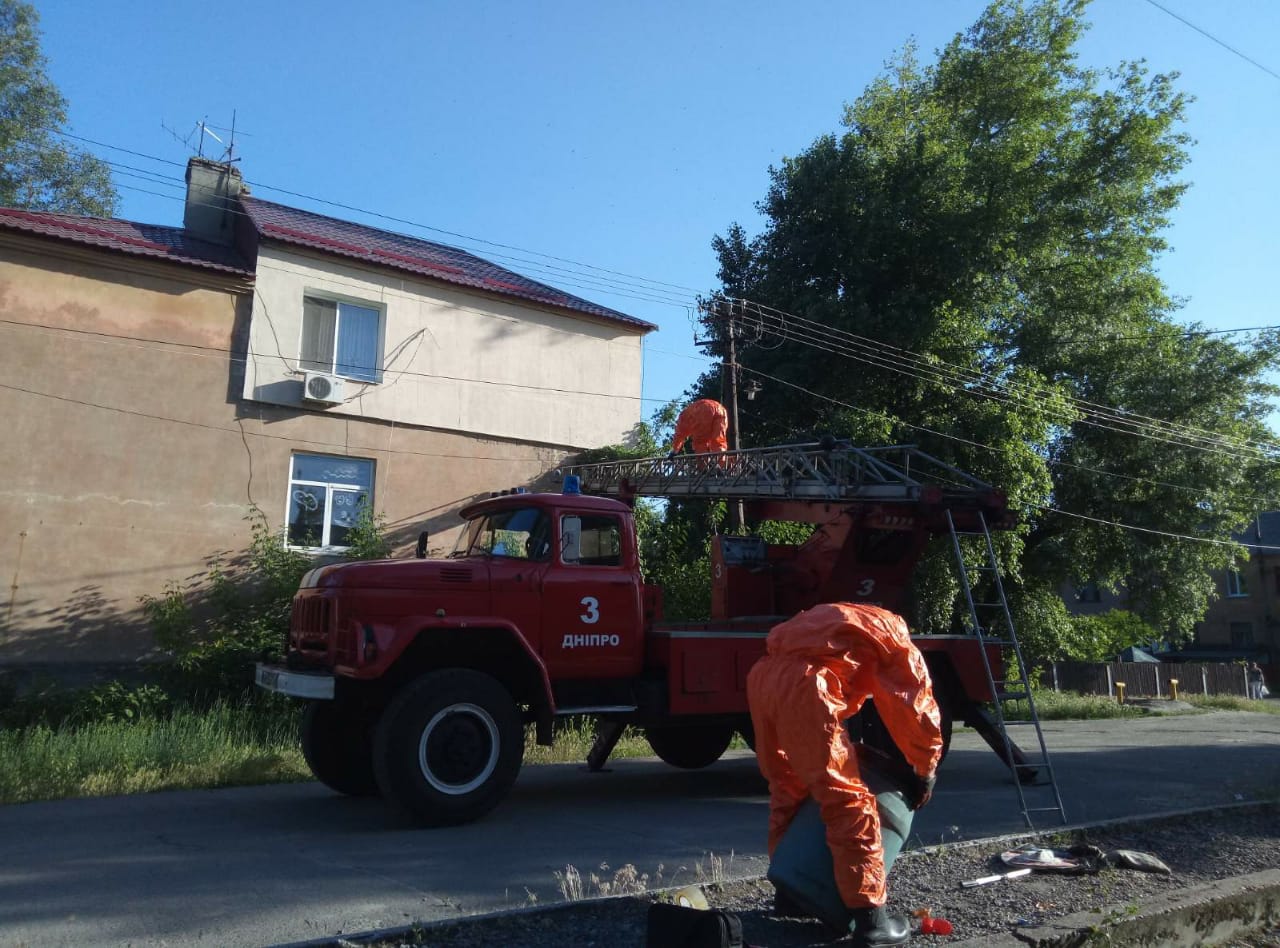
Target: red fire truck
(421, 674)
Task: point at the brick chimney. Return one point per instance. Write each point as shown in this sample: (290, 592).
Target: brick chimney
(212, 190)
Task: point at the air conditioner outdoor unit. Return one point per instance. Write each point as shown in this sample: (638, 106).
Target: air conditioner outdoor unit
(318, 387)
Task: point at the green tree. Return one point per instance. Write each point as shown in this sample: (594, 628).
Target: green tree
(39, 171)
(1102, 637)
(972, 261)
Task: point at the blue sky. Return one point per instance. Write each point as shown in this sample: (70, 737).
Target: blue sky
(620, 138)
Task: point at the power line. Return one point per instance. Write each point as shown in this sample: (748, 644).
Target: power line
(904, 362)
(854, 347)
(256, 434)
(541, 271)
(1199, 492)
(975, 384)
(1207, 35)
(911, 363)
(1159, 533)
(226, 354)
(648, 283)
(626, 288)
(397, 220)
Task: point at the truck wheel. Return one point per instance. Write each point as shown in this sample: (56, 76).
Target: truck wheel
(691, 747)
(337, 743)
(448, 747)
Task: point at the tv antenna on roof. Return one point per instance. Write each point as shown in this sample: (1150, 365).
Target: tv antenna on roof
(201, 129)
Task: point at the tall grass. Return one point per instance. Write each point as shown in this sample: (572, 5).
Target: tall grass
(247, 743)
(573, 739)
(226, 745)
(1071, 706)
(1231, 703)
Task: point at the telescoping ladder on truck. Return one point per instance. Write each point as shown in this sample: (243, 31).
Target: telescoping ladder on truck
(886, 479)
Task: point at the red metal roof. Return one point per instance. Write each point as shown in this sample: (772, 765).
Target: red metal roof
(414, 255)
(145, 240)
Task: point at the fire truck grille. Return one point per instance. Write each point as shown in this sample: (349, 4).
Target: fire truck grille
(309, 624)
(456, 574)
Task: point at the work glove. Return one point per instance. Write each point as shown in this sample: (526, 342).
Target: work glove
(920, 791)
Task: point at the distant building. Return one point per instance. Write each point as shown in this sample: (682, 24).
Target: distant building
(157, 381)
(1242, 623)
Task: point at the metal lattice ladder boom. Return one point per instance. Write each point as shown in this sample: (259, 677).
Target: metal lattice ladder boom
(794, 472)
(992, 624)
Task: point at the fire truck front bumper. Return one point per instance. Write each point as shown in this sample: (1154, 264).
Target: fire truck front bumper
(298, 684)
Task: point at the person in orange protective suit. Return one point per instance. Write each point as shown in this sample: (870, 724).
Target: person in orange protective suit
(705, 422)
(819, 669)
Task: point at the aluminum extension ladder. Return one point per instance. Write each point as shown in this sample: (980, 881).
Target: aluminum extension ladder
(992, 624)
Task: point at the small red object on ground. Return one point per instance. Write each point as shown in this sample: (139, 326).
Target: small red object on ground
(935, 926)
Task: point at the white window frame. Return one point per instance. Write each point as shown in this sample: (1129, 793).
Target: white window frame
(571, 540)
(1237, 585)
(339, 300)
(331, 488)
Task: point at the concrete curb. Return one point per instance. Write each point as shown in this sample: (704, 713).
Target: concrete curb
(1205, 914)
(1068, 932)
(1119, 822)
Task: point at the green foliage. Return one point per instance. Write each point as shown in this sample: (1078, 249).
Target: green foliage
(1230, 703)
(367, 539)
(675, 554)
(998, 215)
(49, 705)
(216, 627)
(1100, 638)
(647, 439)
(783, 532)
(38, 170)
(1071, 706)
(115, 701)
(1045, 628)
(224, 745)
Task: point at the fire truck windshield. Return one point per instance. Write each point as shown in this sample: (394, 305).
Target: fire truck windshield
(523, 534)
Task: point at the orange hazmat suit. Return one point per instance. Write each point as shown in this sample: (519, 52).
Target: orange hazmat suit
(705, 421)
(819, 669)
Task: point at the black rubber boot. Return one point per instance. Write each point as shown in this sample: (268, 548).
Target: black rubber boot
(874, 927)
(786, 906)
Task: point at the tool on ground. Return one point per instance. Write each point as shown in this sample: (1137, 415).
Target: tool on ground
(987, 880)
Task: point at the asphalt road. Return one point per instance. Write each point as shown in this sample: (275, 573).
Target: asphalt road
(271, 865)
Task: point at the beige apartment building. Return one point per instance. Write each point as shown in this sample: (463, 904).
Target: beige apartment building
(161, 382)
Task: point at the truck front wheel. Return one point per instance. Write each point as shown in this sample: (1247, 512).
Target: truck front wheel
(691, 747)
(338, 746)
(448, 747)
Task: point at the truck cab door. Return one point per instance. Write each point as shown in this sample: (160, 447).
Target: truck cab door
(592, 620)
(518, 546)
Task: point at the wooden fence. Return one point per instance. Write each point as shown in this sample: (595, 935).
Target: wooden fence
(1147, 679)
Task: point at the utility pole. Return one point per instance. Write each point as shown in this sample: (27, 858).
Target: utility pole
(729, 375)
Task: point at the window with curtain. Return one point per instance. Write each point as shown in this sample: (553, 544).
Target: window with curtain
(341, 338)
(326, 497)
